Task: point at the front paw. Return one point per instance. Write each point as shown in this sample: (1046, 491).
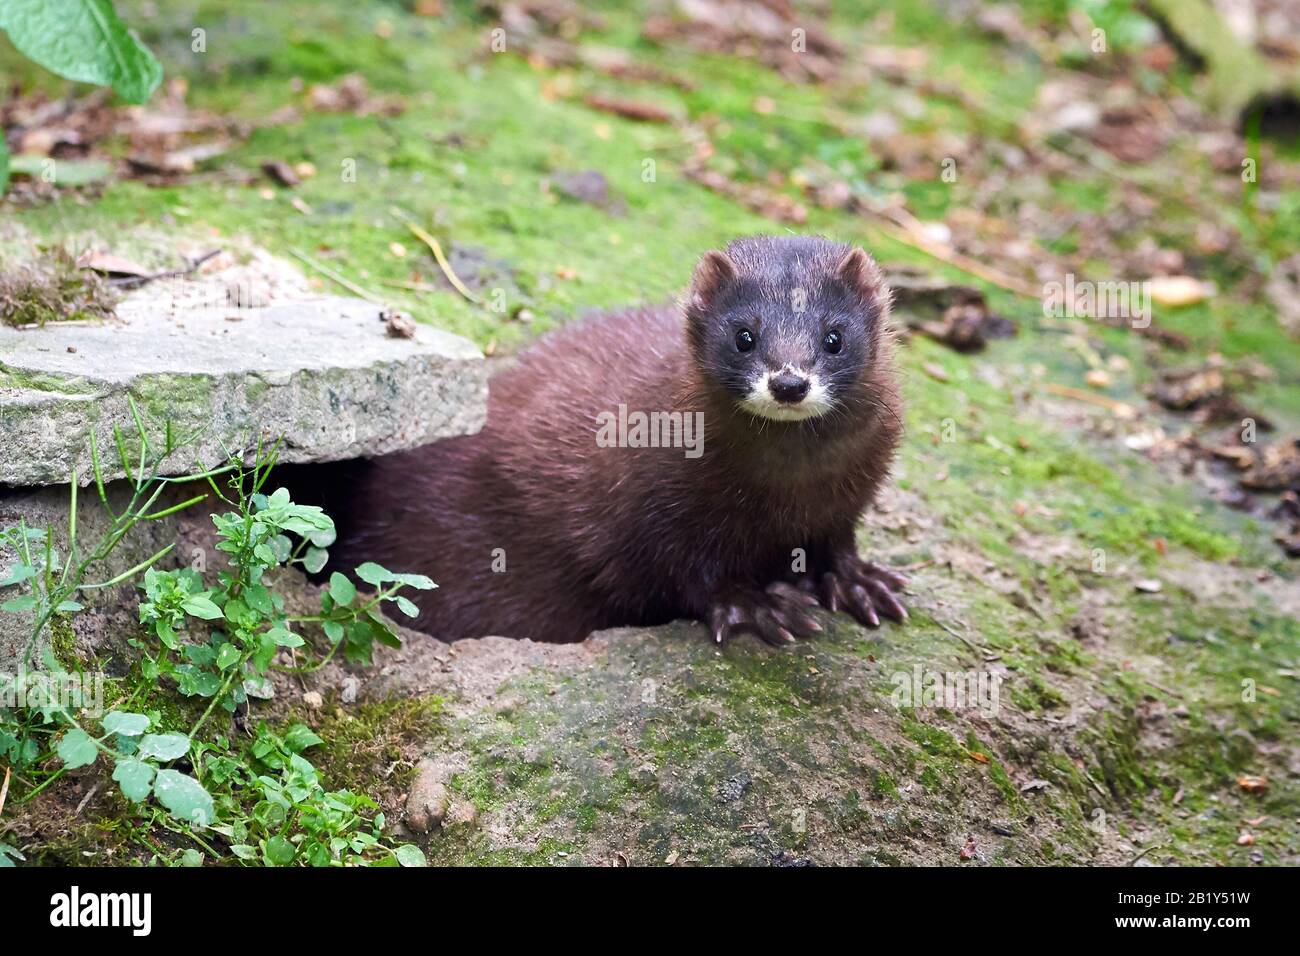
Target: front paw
(778, 614)
(863, 589)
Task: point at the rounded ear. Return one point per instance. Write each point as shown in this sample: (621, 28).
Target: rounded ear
(859, 272)
(714, 273)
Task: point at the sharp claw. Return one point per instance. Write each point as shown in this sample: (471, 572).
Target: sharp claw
(885, 600)
(830, 592)
(791, 594)
(863, 607)
(772, 627)
(891, 578)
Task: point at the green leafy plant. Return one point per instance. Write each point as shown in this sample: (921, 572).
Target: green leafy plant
(82, 40)
(294, 819)
(53, 580)
(245, 619)
(214, 643)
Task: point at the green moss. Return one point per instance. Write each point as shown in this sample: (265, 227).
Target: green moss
(882, 784)
(363, 744)
(63, 642)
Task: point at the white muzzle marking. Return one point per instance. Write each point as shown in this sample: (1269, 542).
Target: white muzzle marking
(759, 400)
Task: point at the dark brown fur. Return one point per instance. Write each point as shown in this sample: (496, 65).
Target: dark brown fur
(597, 537)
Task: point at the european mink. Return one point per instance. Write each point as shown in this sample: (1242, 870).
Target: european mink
(551, 523)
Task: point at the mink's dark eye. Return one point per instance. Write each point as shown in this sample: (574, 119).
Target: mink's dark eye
(744, 340)
(833, 342)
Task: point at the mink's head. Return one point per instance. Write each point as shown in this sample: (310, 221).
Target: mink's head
(789, 327)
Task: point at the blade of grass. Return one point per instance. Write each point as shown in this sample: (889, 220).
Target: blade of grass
(130, 572)
(154, 516)
(99, 474)
(341, 280)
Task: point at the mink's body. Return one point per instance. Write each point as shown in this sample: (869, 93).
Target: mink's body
(532, 529)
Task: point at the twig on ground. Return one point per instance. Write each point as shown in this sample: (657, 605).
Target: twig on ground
(905, 228)
(1153, 846)
(436, 249)
(135, 282)
(341, 280)
(411, 286)
(1121, 409)
(86, 799)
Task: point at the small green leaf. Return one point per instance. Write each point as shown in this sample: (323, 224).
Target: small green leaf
(315, 559)
(125, 723)
(9, 853)
(167, 634)
(334, 631)
(135, 778)
(382, 632)
(164, 747)
(406, 607)
(24, 603)
(282, 547)
(17, 574)
(67, 607)
(373, 574)
(184, 797)
(342, 590)
(279, 851)
(77, 749)
(202, 606)
(300, 737)
(191, 857)
(237, 612)
(82, 40)
(408, 854)
(418, 581)
(258, 597)
(284, 637)
(227, 656)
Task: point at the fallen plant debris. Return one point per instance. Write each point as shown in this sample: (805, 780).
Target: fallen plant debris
(1274, 467)
(639, 110)
(74, 142)
(770, 31)
(954, 314)
(764, 201)
(53, 288)
(351, 94)
(1205, 392)
(123, 274)
(281, 172)
(399, 325)
(436, 248)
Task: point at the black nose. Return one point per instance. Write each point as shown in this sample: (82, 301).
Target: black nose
(788, 387)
